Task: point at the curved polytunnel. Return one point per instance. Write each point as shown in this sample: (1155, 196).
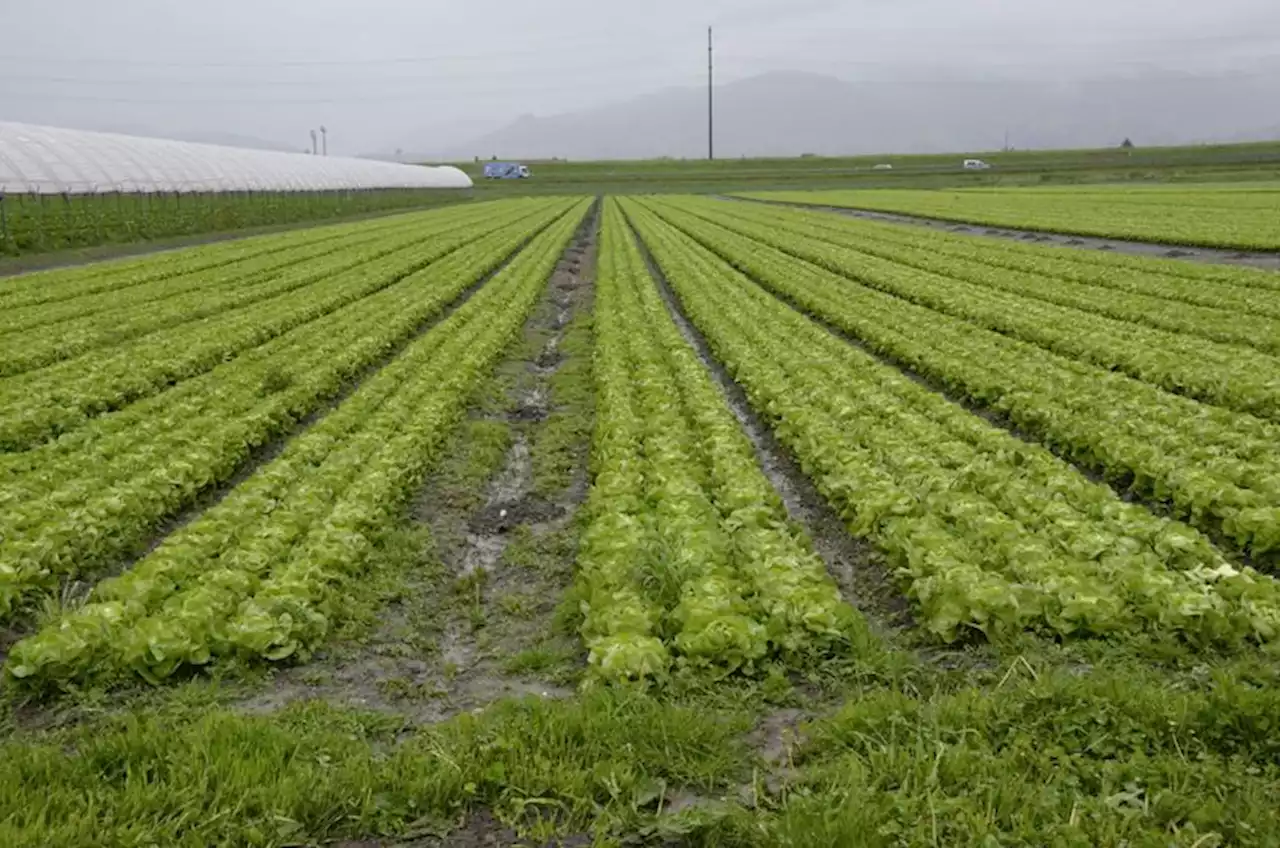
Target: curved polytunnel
(49, 160)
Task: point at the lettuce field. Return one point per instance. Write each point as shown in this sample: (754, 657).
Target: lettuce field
(1238, 216)
(646, 520)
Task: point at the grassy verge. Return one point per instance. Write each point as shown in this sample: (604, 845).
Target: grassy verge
(1043, 748)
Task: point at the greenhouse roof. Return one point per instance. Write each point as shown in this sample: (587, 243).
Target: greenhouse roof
(48, 160)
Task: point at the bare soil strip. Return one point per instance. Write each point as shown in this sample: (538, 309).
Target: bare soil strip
(858, 569)
(475, 620)
(1188, 253)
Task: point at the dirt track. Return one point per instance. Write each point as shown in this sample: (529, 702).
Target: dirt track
(1187, 253)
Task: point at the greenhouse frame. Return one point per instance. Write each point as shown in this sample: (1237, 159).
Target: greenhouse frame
(65, 189)
(49, 160)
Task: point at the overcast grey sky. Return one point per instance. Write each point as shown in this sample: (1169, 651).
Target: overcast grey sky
(423, 75)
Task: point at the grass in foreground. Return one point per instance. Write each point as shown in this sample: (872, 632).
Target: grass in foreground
(1046, 747)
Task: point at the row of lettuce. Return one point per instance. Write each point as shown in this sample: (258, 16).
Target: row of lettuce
(120, 275)
(1214, 466)
(988, 532)
(1240, 217)
(38, 334)
(38, 223)
(688, 560)
(131, 354)
(1223, 356)
(84, 503)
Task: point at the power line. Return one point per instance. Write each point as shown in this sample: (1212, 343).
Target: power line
(558, 46)
(711, 103)
(455, 93)
(62, 79)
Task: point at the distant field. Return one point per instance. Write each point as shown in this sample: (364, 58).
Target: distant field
(75, 228)
(1033, 167)
(1240, 217)
(33, 224)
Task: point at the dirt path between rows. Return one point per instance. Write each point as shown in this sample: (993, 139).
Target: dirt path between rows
(475, 620)
(1187, 253)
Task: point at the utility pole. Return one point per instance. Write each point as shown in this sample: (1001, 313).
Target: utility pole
(711, 101)
(313, 143)
(324, 141)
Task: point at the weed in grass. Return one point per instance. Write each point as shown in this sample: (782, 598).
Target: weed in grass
(522, 605)
(549, 660)
(478, 451)
(548, 554)
(560, 444)
(404, 689)
(311, 772)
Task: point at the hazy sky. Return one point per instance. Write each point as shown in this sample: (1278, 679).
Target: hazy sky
(424, 75)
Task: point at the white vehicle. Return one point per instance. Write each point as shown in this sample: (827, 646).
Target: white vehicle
(975, 165)
(882, 168)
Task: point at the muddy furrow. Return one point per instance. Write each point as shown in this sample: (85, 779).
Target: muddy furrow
(473, 622)
(1187, 253)
(515, 513)
(858, 569)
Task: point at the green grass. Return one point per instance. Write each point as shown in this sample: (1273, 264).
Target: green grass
(479, 449)
(1259, 161)
(547, 660)
(1061, 758)
(210, 776)
(560, 442)
(1046, 747)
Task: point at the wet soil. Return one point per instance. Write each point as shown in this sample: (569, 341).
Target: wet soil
(775, 740)
(1188, 253)
(479, 830)
(9, 636)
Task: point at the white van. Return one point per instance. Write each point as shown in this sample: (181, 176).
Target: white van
(884, 167)
(975, 165)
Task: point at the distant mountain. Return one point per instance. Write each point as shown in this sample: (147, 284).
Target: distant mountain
(427, 144)
(791, 113)
(403, 156)
(235, 140)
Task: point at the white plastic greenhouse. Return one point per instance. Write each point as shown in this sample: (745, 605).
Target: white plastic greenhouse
(48, 160)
